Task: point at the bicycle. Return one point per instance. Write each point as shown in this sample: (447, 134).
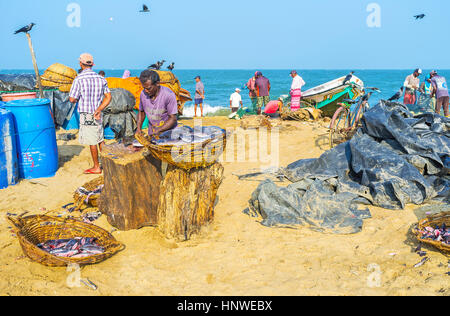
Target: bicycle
(348, 115)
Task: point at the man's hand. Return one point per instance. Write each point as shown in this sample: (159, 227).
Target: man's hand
(98, 115)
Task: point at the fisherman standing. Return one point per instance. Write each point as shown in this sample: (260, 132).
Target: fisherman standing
(159, 103)
(199, 95)
(296, 90)
(411, 84)
(251, 86)
(440, 90)
(262, 91)
(236, 101)
(91, 92)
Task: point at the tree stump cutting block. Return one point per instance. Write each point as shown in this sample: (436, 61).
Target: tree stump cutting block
(141, 191)
(187, 200)
(130, 196)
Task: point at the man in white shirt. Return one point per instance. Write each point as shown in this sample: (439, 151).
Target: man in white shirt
(235, 101)
(412, 84)
(296, 90)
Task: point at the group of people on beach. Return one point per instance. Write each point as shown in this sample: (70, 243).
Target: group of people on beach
(159, 104)
(434, 88)
(259, 93)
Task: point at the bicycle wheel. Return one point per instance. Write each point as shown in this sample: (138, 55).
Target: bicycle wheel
(359, 115)
(339, 123)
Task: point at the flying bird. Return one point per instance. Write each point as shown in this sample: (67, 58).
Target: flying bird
(419, 17)
(171, 66)
(396, 96)
(144, 8)
(349, 77)
(25, 29)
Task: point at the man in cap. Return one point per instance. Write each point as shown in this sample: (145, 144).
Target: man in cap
(91, 92)
(262, 91)
(440, 90)
(199, 95)
(159, 103)
(236, 100)
(411, 84)
(296, 90)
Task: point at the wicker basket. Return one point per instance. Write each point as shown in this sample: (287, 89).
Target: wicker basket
(432, 221)
(36, 229)
(81, 199)
(189, 156)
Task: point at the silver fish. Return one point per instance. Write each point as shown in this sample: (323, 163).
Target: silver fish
(421, 263)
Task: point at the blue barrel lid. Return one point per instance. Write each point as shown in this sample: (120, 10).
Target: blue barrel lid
(27, 102)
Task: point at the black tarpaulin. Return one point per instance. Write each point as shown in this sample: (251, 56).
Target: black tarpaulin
(393, 160)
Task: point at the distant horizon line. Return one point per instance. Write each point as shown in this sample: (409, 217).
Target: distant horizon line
(251, 69)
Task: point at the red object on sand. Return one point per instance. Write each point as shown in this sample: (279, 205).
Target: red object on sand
(272, 107)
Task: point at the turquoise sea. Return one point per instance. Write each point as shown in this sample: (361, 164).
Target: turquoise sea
(220, 84)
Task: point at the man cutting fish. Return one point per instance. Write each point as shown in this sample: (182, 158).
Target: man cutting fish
(159, 103)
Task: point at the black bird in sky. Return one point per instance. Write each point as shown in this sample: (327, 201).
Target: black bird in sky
(25, 29)
(171, 66)
(349, 77)
(144, 8)
(396, 96)
(420, 16)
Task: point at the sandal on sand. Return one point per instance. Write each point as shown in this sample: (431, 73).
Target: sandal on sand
(89, 171)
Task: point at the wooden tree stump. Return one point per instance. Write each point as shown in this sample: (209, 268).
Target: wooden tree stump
(141, 191)
(187, 200)
(130, 196)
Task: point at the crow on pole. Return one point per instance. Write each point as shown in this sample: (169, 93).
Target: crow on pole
(26, 30)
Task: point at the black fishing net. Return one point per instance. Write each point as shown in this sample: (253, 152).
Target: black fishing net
(119, 114)
(393, 160)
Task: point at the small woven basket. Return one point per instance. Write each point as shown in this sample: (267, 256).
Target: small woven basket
(81, 199)
(432, 221)
(36, 229)
(189, 156)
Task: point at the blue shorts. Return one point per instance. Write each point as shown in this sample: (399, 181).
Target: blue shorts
(198, 101)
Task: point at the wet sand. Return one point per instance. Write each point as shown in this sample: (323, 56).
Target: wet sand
(234, 255)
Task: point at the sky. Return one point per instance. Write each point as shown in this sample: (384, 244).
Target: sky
(231, 34)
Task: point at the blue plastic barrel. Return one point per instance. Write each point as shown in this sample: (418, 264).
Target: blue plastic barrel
(74, 122)
(36, 137)
(109, 133)
(9, 167)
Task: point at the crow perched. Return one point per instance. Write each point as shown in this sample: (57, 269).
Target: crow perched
(397, 96)
(171, 66)
(158, 65)
(144, 9)
(349, 77)
(420, 16)
(25, 29)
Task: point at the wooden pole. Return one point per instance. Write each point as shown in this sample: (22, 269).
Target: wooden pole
(36, 69)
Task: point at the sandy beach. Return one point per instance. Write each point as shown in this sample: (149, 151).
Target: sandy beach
(235, 254)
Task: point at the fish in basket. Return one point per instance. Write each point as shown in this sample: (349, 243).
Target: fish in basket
(435, 231)
(88, 194)
(187, 148)
(39, 234)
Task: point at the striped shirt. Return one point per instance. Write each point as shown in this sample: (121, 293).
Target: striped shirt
(89, 88)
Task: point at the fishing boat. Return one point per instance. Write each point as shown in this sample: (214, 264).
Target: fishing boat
(185, 96)
(327, 96)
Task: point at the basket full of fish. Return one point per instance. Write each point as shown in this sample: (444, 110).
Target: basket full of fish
(187, 148)
(435, 230)
(57, 242)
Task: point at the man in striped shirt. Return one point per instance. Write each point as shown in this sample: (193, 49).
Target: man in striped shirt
(91, 92)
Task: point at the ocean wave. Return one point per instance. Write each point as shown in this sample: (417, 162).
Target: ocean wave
(208, 110)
